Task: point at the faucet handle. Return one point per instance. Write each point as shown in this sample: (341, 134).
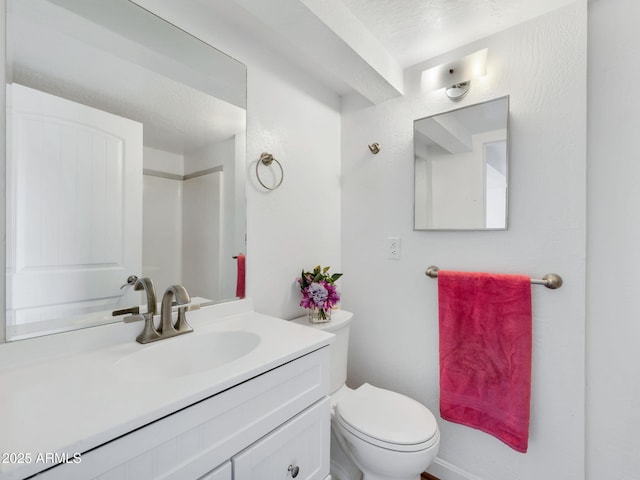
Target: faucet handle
(123, 311)
(131, 280)
(134, 318)
(188, 307)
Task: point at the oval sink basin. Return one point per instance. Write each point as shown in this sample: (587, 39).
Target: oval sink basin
(185, 355)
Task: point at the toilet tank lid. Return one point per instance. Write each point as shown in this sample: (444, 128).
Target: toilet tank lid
(339, 319)
(387, 416)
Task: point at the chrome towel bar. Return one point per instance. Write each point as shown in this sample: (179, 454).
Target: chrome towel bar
(550, 280)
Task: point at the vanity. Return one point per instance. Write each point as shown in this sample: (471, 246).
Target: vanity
(163, 115)
(245, 396)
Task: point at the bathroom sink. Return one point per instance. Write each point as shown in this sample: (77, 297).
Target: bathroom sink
(187, 355)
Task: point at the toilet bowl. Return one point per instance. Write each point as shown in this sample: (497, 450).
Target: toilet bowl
(387, 435)
(376, 434)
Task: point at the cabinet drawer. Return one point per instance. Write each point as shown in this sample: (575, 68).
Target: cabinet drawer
(223, 472)
(298, 449)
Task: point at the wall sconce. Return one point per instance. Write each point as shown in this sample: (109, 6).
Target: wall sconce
(455, 77)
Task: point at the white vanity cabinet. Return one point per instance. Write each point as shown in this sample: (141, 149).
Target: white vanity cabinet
(223, 472)
(273, 426)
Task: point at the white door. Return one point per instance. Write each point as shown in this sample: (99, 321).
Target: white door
(74, 206)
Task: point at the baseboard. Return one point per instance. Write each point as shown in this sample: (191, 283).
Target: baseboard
(441, 469)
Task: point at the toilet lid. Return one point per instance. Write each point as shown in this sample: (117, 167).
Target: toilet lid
(387, 416)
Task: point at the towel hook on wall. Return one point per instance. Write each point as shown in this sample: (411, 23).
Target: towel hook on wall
(375, 148)
(267, 159)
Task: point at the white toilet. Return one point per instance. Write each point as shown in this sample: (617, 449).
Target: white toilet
(376, 434)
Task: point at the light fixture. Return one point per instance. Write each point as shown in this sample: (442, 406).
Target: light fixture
(455, 77)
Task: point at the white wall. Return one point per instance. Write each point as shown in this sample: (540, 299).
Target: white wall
(201, 203)
(297, 120)
(395, 335)
(161, 231)
(202, 235)
(162, 220)
(191, 222)
(298, 225)
(163, 161)
(613, 360)
(458, 185)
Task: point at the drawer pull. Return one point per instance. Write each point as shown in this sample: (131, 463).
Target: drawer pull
(294, 471)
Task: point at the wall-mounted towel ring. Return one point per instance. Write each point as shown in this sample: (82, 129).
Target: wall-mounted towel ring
(267, 159)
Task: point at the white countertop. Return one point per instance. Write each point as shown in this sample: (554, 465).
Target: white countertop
(54, 401)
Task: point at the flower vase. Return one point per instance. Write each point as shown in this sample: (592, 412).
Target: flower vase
(318, 315)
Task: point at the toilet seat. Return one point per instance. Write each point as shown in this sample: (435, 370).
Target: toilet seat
(387, 419)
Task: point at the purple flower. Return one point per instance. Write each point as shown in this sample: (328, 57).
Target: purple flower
(320, 295)
(318, 290)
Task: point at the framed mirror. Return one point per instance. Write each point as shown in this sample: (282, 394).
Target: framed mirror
(125, 157)
(461, 168)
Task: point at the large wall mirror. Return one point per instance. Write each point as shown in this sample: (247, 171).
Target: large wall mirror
(125, 156)
(461, 168)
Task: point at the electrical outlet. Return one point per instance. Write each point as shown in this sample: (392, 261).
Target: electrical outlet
(393, 248)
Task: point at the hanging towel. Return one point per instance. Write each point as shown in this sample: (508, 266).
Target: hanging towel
(240, 282)
(485, 353)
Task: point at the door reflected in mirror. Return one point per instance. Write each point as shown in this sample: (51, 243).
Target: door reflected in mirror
(125, 156)
(461, 168)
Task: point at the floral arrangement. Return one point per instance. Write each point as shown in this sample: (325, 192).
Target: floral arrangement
(318, 291)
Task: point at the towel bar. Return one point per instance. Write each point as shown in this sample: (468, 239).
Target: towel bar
(550, 280)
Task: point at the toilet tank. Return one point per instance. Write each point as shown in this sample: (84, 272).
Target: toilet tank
(339, 325)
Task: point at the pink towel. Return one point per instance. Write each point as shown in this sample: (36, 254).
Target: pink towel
(485, 353)
(240, 281)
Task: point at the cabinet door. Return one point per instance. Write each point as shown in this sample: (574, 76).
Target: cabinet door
(223, 472)
(298, 449)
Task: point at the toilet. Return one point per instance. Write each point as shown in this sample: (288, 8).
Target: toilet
(376, 434)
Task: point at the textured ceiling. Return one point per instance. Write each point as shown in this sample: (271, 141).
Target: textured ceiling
(347, 45)
(416, 30)
(363, 46)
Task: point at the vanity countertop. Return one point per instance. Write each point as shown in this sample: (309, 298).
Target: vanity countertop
(70, 402)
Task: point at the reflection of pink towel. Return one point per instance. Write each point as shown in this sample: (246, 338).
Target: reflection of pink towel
(240, 282)
(485, 353)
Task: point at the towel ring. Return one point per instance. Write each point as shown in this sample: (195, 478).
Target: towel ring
(267, 159)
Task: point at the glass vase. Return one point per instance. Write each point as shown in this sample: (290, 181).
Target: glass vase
(318, 315)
